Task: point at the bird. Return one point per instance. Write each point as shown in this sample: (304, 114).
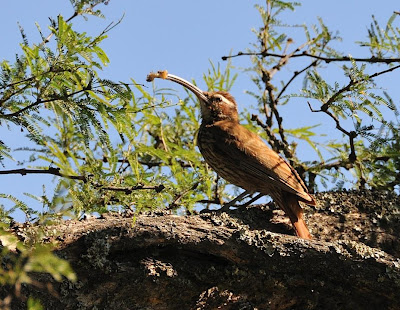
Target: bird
(241, 157)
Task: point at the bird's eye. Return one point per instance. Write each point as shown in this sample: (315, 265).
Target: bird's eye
(217, 99)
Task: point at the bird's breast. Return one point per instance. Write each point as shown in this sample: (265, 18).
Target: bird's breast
(214, 144)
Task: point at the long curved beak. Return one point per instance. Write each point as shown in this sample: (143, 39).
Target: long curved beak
(166, 76)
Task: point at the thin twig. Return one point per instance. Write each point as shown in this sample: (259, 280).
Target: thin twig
(61, 97)
(40, 101)
(75, 14)
(284, 60)
(346, 163)
(296, 73)
(275, 143)
(351, 134)
(129, 190)
(351, 84)
(324, 108)
(179, 196)
(110, 26)
(56, 172)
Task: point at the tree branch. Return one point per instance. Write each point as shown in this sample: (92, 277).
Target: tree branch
(75, 14)
(351, 134)
(351, 84)
(324, 108)
(28, 79)
(372, 59)
(272, 102)
(296, 73)
(179, 196)
(40, 101)
(51, 170)
(283, 61)
(129, 190)
(56, 172)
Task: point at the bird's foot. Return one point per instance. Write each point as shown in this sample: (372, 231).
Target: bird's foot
(226, 206)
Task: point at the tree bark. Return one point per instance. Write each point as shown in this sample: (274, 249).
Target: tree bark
(243, 259)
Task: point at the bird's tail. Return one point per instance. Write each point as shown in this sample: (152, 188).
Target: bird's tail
(290, 204)
(301, 229)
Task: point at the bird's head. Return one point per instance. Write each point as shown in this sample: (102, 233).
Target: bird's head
(215, 106)
(219, 105)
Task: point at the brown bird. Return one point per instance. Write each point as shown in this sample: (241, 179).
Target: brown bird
(241, 157)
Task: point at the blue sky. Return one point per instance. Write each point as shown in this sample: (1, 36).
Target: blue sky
(181, 36)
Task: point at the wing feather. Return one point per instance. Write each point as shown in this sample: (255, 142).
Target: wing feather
(252, 155)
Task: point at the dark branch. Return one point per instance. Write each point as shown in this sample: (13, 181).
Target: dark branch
(324, 108)
(56, 171)
(284, 60)
(129, 190)
(351, 84)
(214, 201)
(59, 97)
(53, 171)
(275, 143)
(352, 134)
(296, 73)
(16, 92)
(372, 59)
(33, 77)
(179, 196)
(40, 101)
(271, 105)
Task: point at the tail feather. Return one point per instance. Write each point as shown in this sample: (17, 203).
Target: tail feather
(290, 204)
(301, 229)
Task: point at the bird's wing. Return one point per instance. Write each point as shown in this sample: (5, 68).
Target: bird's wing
(237, 142)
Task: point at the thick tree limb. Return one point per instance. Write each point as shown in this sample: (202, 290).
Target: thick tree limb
(234, 260)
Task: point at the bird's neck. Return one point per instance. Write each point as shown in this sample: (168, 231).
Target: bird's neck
(224, 122)
(211, 118)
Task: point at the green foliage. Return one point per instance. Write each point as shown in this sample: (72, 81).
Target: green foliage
(19, 260)
(34, 304)
(118, 145)
(383, 42)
